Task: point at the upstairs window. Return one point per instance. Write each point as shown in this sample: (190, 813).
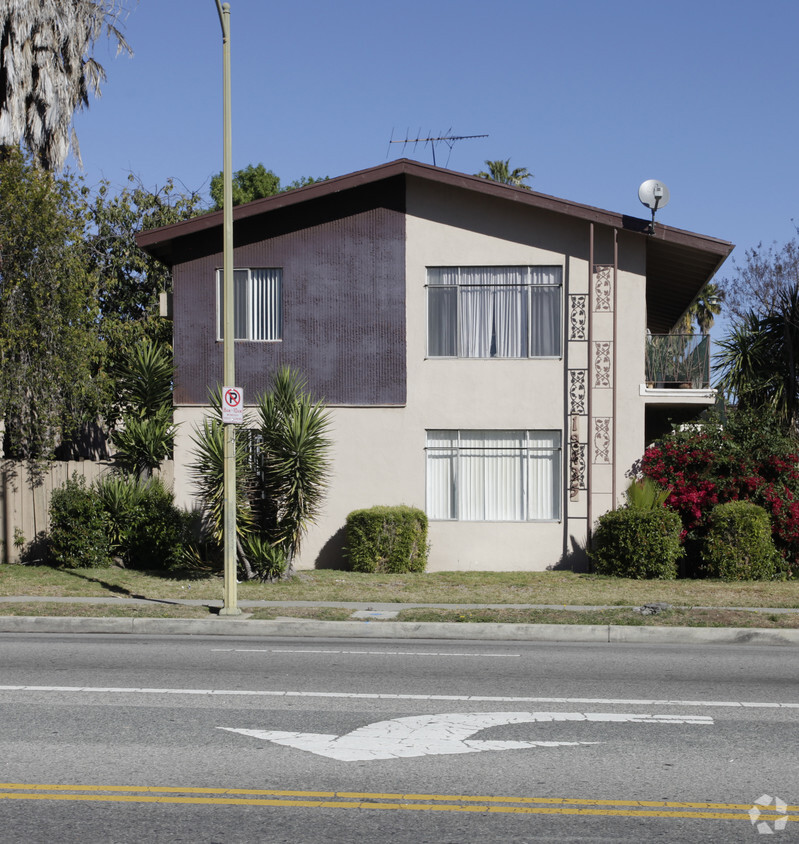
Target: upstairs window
(493, 476)
(494, 312)
(257, 304)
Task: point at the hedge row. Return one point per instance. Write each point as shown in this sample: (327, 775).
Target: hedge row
(640, 544)
(120, 519)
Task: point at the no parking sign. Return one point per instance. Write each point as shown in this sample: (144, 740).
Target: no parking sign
(232, 405)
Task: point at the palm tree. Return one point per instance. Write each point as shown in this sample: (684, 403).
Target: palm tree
(499, 171)
(705, 307)
(48, 71)
(759, 361)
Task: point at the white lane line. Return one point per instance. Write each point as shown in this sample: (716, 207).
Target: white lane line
(356, 653)
(387, 696)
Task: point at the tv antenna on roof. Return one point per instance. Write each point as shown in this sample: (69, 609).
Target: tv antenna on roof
(444, 138)
(654, 195)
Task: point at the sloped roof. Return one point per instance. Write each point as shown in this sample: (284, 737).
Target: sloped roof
(679, 263)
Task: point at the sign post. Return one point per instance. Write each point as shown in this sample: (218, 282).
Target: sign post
(230, 606)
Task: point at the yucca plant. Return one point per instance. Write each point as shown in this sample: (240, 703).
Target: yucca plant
(119, 495)
(293, 464)
(146, 436)
(208, 473)
(144, 378)
(144, 443)
(268, 561)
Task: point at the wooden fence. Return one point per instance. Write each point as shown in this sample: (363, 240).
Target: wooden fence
(25, 510)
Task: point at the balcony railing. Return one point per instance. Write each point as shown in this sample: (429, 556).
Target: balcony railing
(678, 360)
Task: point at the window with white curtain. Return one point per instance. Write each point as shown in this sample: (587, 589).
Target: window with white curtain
(257, 304)
(494, 476)
(494, 312)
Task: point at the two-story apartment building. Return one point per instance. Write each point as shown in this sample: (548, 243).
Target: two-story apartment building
(489, 354)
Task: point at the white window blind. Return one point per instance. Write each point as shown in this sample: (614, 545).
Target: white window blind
(257, 304)
(487, 312)
(494, 475)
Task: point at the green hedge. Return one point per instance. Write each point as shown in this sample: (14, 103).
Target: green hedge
(387, 539)
(158, 531)
(636, 543)
(738, 544)
(79, 527)
(120, 518)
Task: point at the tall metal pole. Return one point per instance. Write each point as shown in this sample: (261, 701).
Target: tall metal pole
(230, 606)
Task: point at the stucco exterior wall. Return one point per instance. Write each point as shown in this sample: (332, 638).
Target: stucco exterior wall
(630, 353)
(379, 452)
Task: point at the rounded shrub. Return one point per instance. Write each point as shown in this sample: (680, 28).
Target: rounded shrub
(636, 543)
(390, 540)
(158, 531)
(738, 544)
(78, 527)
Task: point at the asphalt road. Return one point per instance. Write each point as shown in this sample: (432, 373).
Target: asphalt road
(220, 739)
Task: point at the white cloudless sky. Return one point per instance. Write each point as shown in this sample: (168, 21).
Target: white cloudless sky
(592, 96)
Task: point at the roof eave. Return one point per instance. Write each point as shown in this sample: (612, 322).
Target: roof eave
(157, 241)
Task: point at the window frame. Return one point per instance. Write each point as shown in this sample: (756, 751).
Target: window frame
(249, 320)
(528, 286)
(524, 452)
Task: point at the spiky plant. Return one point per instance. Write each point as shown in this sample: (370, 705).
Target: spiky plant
(208, 474)
(759, 360)
(645, 494)
(144, 443)
(293, 459)
(144, 382)
(144, 378)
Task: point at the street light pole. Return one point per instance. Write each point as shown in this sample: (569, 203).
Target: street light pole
(230, 606)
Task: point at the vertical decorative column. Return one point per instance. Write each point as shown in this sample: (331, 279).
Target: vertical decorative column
(577, 386)
(602, 388)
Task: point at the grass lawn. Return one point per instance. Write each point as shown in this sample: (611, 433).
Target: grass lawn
(676, 617)
(556, 588)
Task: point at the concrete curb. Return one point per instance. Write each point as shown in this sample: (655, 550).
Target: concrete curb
(221, 626)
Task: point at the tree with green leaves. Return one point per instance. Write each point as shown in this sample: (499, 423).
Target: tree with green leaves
(499, 171)
(130, 280)
(254, 182)
(48, 71)
(48, 311)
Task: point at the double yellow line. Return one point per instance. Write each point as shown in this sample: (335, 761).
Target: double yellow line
(408, 802)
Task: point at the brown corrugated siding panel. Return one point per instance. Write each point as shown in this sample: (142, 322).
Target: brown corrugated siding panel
(343, 311)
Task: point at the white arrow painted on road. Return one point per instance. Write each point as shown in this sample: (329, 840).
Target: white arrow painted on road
(432, 735)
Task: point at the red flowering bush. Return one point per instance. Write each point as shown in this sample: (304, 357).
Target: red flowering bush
(745, 457)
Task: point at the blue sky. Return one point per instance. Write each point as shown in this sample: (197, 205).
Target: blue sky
(592, 97)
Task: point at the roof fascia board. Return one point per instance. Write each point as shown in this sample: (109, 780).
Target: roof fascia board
(406, 167)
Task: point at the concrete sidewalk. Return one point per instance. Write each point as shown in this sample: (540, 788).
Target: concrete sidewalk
(379, 609)
(373, 620)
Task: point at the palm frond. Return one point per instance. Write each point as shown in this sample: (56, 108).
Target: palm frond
(49, 70)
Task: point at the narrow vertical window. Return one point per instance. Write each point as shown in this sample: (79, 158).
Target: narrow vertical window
(257, 304)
